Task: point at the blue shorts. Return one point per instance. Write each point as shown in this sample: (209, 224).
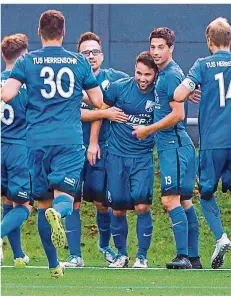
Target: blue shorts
(214, 164)
(129, 181)
(15, 173)
(55, 167)
(92, 186)
(178, 171)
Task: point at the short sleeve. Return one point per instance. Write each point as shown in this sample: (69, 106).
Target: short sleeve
(195, 73)
(172, 82)
(18, 71)
(89, 80)
(112, 93)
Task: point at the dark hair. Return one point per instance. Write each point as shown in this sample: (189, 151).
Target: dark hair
(219, 32)
(87, 36)
(146, 58)
(51, 24)
(165, 33)
(14, 45)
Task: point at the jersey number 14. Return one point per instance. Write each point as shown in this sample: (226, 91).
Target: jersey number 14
(57, 85)
(223, 97)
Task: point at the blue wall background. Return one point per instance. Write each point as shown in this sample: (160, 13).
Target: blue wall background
(123, 29)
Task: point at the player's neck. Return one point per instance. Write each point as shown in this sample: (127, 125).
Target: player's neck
(96, 72)
(46, 43)
(9, 67)
(221, 48)
(162, 66)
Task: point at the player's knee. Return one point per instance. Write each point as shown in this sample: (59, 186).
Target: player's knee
(142, 209)
(119, 212)
(186, 204)
(170, 202)
(45, 204)
(6, 201)
(76, 205)
(100, 207)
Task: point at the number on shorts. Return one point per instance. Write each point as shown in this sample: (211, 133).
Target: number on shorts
(168, 180)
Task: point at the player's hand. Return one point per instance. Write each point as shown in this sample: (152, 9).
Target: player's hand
(116, 114)
(93, 152)
(195, 96)
(140, 132)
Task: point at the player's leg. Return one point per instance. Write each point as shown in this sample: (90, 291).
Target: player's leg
(66, 165)
(39, 163)
(212, 163)
(170, 181)
(142, 178)
(226, 180)
(187, 158)
(19, 193)
(120, 200)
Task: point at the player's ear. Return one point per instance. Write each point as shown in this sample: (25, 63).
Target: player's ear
(171, 48)
(39, 33)
(64, 32)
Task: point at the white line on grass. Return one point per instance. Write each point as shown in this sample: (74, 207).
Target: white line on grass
(107, 268)
(10, 286)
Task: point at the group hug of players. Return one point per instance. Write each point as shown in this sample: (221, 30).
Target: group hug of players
(49, 156)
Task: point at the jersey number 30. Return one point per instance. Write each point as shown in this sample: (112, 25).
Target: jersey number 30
(57, 85)
(223, 97)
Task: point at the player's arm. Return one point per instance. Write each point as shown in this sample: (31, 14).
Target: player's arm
(113, 114)
(95, 96)
(10, 89)
(93, 149)
(177, 115)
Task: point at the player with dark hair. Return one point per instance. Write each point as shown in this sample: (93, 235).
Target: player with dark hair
(93, 178)
(130, 168)
(15, 179)
(176, 153)
(213, 74)
(55, 79)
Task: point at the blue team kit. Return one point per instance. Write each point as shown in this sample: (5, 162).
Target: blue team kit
(55, 79)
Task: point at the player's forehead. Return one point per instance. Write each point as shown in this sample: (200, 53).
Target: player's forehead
(144, 69)
(89, 45)
(158, 42)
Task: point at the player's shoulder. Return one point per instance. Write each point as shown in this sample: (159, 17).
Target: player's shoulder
(114, 74)
(174, 71)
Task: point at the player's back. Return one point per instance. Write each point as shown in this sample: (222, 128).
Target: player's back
(55, 78)
(215, 105)
(13, 118)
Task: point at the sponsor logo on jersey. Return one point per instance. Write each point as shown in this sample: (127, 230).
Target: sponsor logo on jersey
(69, 181)
(105, 85)
(139, 119)
(150, 105)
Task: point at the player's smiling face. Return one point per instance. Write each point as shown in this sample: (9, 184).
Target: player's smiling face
(160, 52)
(144, 77)
(93, 52)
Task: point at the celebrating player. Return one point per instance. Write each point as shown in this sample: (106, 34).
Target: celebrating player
(213, 75)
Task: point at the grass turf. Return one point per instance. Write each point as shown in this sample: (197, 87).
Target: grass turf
(86, 282)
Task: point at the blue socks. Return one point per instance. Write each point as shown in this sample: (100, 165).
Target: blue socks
(119, 229)
(63, 204)
(44, 230)
(193, 232)
(104, 227)
(73, 233)
(144, 228)
(180, 229)
(212, 215)
(14, 236)
(14, 219)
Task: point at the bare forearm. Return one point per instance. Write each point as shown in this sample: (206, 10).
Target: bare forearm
(92, 115)
(10, 90)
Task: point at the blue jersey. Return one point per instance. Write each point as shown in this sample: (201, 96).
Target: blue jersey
(55, 79)
(168, 80)
(213, 73)
(125, 94)
(104, 78)
(13, 117)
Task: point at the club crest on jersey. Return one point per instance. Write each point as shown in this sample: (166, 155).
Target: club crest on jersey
(105, 85)
(150, 105)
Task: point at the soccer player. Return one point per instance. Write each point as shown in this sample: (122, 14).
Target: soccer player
(15, 185)
(55, 79)
(130, 169)
(176, 152)
(213, 74)
(93, 181)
